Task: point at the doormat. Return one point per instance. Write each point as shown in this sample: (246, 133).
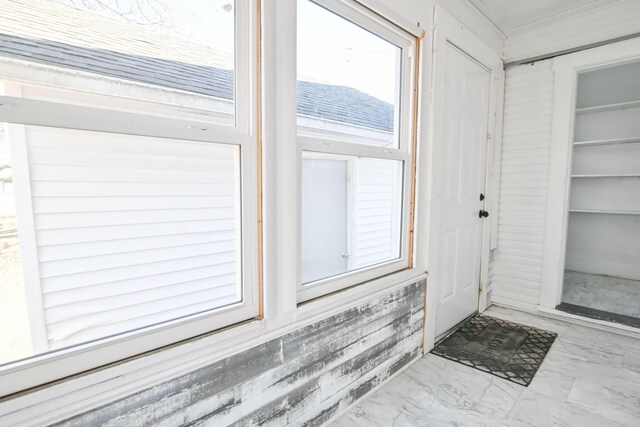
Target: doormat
(505, 349)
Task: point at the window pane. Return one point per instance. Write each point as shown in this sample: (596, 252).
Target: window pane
(168, 44)
(130, 232)
(351, 213)
(348, 79)
(15, 335)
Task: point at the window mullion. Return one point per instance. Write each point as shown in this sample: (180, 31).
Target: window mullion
(358, 150)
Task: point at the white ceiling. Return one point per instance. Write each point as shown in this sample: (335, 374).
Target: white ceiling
(510, 14)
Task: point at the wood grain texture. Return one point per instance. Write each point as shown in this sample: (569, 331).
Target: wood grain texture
(302, 378)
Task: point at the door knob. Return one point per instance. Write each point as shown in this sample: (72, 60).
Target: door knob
(483, 214)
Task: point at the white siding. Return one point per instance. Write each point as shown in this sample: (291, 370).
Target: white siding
(516, 267)
(131, 231)
(377, 210)
(572, 30)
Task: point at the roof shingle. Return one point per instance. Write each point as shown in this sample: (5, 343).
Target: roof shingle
(26, 32)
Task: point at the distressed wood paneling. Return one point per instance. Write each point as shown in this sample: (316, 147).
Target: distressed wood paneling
(302, 378)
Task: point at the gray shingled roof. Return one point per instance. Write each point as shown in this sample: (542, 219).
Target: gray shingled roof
(337, 103)
(199, 79)
(344, 104)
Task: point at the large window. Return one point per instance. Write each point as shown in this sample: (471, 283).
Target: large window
(131, 174)
(127, 178)
(355, 109)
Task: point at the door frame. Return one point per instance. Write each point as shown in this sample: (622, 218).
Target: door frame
(449, 30)
(566, 69)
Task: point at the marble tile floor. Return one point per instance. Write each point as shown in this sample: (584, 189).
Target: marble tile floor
(589, 378)
(615, 295)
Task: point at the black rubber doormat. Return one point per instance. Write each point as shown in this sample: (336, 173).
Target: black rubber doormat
(505, 349)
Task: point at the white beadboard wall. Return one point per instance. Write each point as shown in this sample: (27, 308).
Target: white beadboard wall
(516, 264)
(130, 231)
(608, 21)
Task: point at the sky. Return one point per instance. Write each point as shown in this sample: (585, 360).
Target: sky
(330, 49)
(207, 22)
(333, 50)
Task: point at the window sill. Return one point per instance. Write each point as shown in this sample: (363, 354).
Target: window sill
(341, 300)
(64, 398)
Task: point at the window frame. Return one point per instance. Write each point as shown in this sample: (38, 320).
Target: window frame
(151, 119)
(311, 140)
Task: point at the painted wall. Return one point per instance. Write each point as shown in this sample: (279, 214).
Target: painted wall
(302, 378)
(606, 177)
(604, 244)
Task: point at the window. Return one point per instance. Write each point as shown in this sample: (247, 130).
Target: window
(127, 179)
(129, 150)
(149, 50)
(355, 109)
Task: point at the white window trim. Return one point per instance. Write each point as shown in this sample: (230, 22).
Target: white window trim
(331, 143)
(34, 107)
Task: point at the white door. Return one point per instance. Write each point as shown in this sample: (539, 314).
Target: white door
(464, 154)
(324, 218)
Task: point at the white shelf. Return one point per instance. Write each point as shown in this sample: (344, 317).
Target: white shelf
(626, 175)
(604, 211)
(607, 141)
(608, 107)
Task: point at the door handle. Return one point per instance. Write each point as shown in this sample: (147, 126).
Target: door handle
(482, 213)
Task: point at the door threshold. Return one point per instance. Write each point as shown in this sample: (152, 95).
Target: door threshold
(603, 325)
(593, 313)
(451, 330)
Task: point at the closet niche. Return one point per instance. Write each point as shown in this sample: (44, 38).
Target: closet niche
(602, 264)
